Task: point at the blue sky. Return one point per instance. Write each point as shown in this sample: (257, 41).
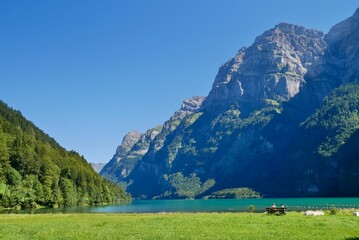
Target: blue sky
(87, 72)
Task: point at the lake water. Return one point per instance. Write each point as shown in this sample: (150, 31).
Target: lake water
(213, 205)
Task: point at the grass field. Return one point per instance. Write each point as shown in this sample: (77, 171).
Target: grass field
(178, 226)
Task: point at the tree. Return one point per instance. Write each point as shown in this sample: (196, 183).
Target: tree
(68, 192)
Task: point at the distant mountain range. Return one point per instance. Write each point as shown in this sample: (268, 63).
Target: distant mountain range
(281, 119)
(97, 166)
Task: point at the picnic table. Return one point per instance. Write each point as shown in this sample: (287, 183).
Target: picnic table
(280, 210)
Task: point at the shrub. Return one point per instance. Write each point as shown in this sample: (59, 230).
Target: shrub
(333, 210)
(251, 208)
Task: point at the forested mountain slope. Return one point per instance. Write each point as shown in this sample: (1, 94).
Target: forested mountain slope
(36, 170)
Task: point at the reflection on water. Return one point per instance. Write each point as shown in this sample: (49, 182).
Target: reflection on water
(212, 205)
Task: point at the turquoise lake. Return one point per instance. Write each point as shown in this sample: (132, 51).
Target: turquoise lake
(215, 205)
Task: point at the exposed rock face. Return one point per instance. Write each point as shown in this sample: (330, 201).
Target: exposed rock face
(272, 68)
(339, 64)
(134, 146)
(122, 150)
(189, 106)
(343, 49)
(142, 145)
(127, 143)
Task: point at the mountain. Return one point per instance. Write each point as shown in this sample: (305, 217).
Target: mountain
(35, 170)
(97, 166)
(272, 68)
(135, 145)
(278, 119)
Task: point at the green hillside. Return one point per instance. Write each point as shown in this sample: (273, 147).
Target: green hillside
(35, 170)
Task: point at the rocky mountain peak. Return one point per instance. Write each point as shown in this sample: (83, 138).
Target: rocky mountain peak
(127, 143)
(131, 150)
(273, 67)
(343, 48)
(287, 28)
(130, 135)
(343, 30)
(356, 13)
(285, 31)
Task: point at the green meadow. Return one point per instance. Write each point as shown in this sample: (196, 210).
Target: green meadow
(294, 225)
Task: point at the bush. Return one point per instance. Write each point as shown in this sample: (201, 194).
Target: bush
(251, 208)
(333, 210)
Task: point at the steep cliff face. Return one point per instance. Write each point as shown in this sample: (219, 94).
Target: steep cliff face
(127, 143)
(278, 114)
(343, 49)
(134, 145)
(122, 150)
(272, 68)
(189, 106)
(339, 63)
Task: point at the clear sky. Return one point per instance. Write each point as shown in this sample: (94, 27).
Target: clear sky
(87, 72)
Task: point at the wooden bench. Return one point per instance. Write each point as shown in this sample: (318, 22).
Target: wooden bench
(277, 211)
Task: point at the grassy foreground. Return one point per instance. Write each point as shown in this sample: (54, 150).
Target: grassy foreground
(178, 226)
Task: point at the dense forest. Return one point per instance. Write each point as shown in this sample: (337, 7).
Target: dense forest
(36, 171)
